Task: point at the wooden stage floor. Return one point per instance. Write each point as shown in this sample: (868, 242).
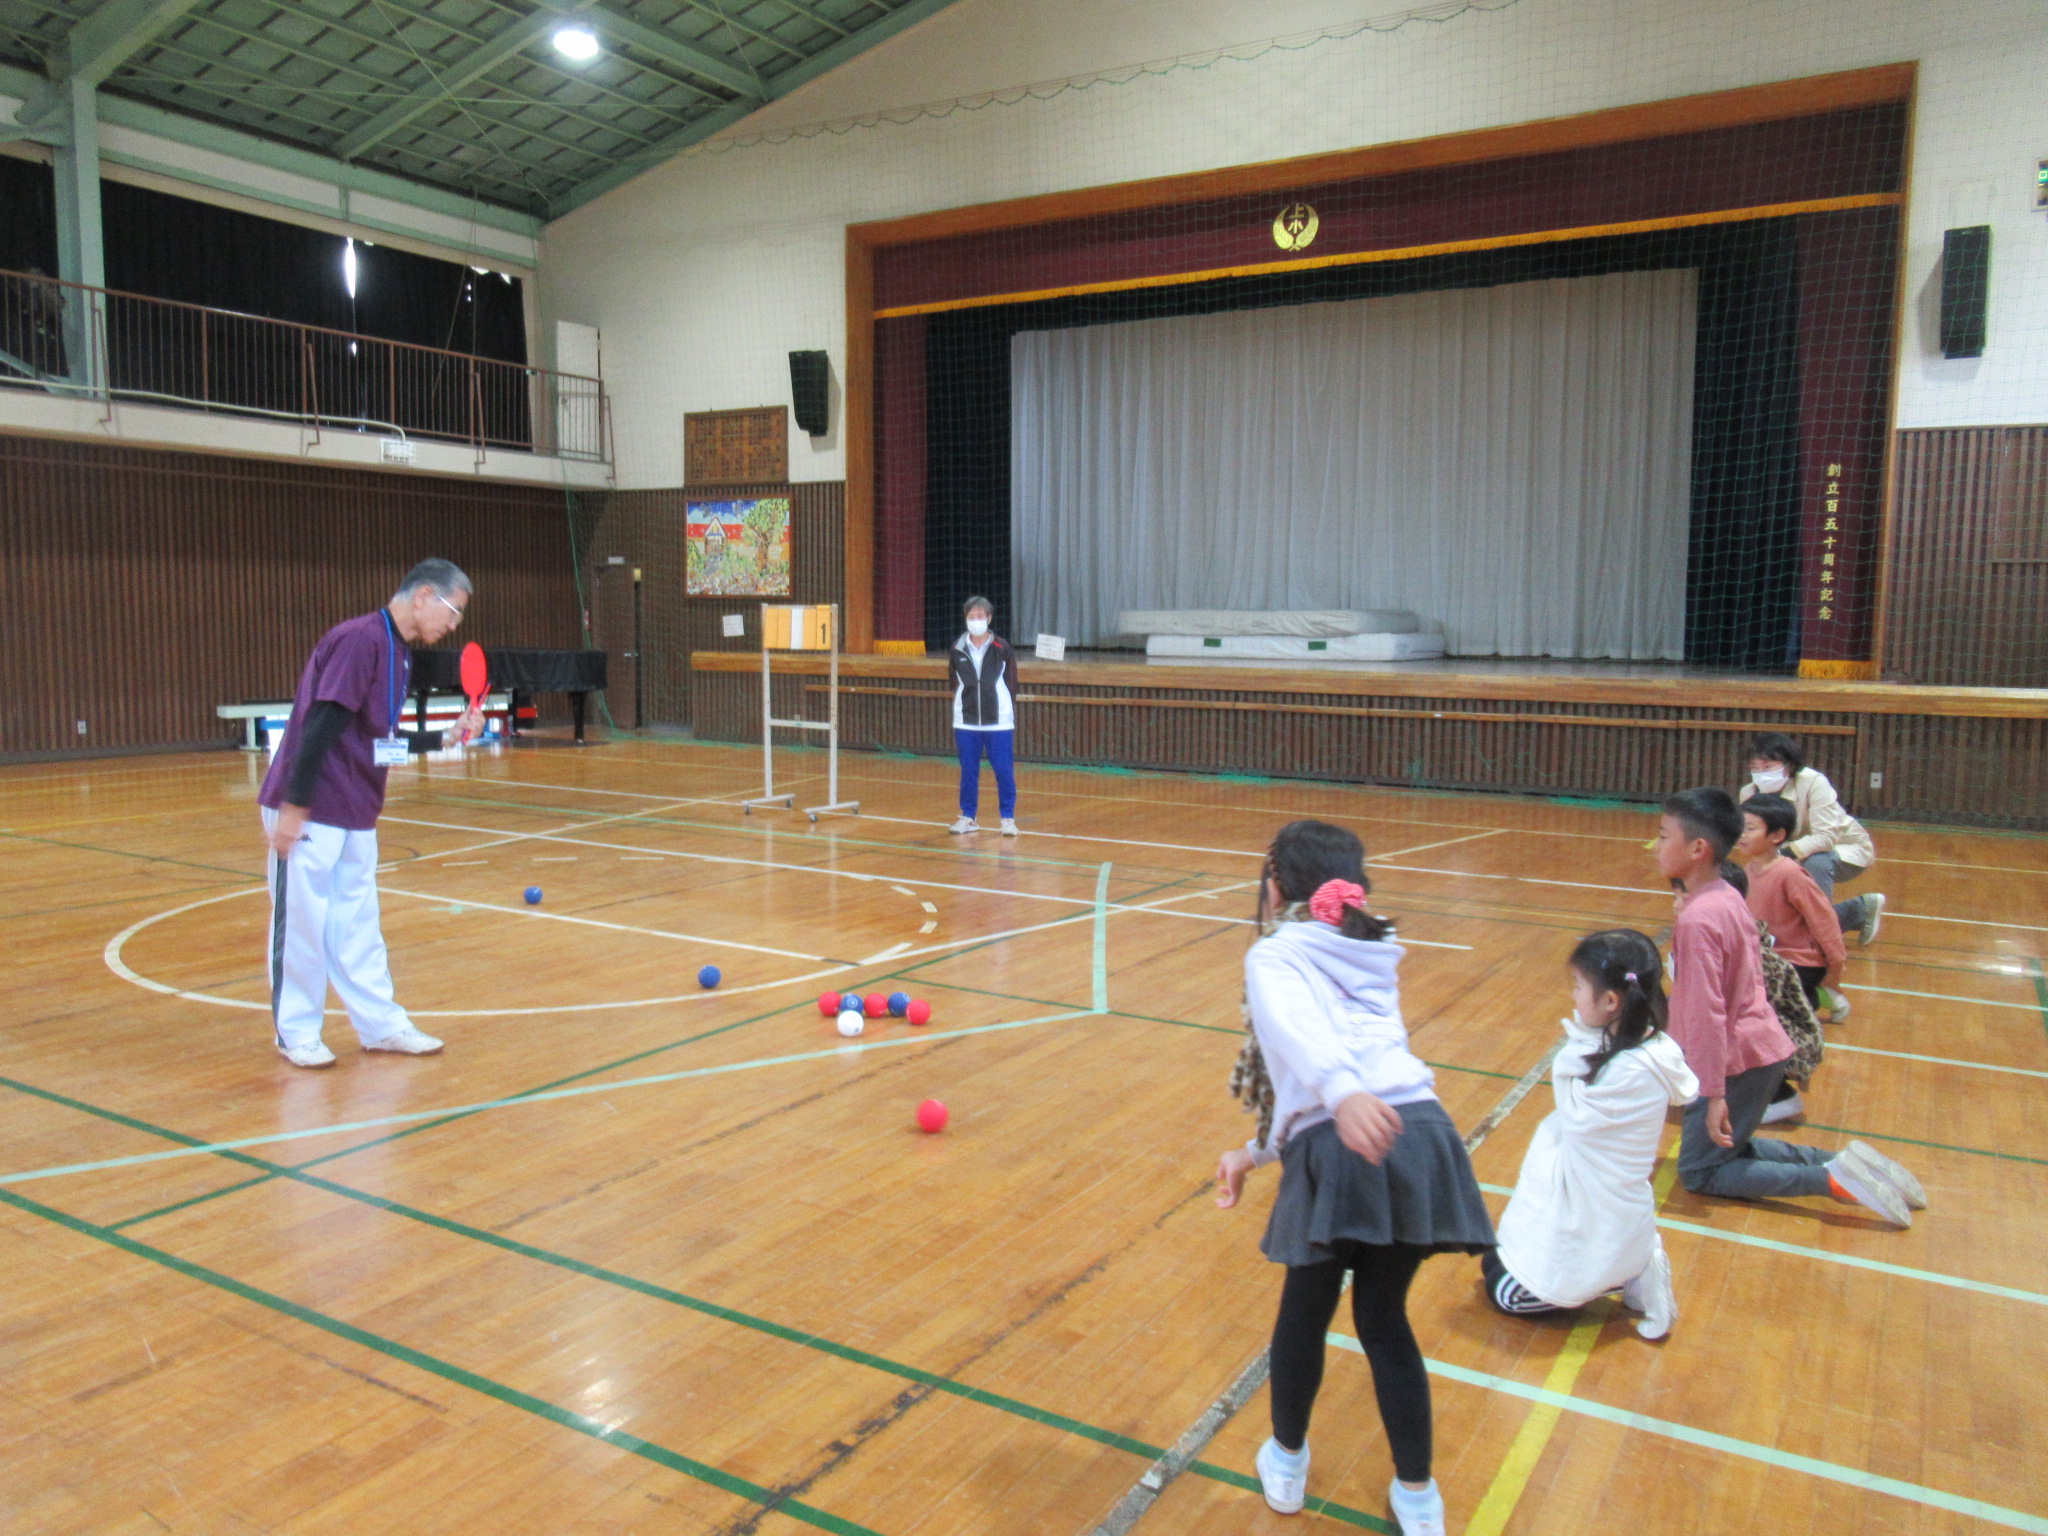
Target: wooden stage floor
(635, 1257)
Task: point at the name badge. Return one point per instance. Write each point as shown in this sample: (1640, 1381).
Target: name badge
(390, 751)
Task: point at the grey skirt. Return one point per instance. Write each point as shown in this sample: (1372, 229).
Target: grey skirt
(1423, 1194)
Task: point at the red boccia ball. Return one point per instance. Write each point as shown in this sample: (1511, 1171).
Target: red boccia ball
(828, 1004)
(919, 1011)
(932, 1117)
(874, 1005)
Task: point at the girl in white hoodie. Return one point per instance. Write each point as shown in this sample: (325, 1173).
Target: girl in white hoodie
(1374, 1177)
(1583, 1220)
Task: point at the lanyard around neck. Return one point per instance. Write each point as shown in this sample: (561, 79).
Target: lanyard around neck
(392, 690)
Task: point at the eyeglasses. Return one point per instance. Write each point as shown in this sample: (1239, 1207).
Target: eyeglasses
(446, 604)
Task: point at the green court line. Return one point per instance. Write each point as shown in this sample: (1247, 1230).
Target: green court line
(512, 1397)
(1748, 1450)
(122, 853)
(1938, 1146)
(2040, 989)
(804, 1338)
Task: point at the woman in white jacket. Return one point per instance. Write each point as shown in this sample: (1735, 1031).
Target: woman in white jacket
(1830, 844)
(1583, 1220)
(1374, 1177)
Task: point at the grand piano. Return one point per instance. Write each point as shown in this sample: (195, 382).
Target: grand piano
(521, 674)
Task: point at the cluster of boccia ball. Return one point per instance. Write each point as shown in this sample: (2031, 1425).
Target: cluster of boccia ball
(854, 1010)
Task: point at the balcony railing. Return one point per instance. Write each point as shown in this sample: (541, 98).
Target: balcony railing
(72, 340)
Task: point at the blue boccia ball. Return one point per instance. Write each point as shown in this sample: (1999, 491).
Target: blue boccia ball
(708, 977)
(852, 1002)
(899, 1003)
(533, 895)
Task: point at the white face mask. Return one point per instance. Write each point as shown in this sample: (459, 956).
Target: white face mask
(1770, 781)
(977, 627)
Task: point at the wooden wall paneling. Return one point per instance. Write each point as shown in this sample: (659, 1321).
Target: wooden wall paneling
(1967, 591)
(144, 587)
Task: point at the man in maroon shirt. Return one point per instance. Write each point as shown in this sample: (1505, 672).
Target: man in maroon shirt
(321, 800)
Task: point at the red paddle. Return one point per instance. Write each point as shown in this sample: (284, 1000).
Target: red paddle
(476, 677)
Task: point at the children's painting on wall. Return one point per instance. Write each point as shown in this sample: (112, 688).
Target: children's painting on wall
(738, 548)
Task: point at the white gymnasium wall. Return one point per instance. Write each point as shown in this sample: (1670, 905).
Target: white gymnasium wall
(706, 271)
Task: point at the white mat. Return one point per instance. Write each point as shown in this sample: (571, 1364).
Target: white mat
(1314, 623)
(1419, 646)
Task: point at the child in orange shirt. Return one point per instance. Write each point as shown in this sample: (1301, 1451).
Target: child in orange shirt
(1790, 900)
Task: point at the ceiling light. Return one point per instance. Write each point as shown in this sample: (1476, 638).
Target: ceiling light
(578, 43)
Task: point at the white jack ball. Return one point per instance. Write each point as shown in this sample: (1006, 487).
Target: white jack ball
(851, 1023)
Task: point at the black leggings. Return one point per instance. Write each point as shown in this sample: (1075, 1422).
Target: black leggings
(1379, 1305)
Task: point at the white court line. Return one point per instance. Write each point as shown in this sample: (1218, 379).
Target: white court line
(1769, 1455)
(848, 874)
(1939, 1061)
(846, 1049)
(120, 967)
(1846, 1260)
(592, 922)
(1379, 859)
(1971, 922)
(1940, 997)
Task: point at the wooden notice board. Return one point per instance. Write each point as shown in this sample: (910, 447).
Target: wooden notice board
(749, 447)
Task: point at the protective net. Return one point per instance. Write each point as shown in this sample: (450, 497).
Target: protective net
(1616, 402)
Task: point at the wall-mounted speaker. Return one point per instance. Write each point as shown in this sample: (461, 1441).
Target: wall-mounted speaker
(1965, 289)
(810, 376)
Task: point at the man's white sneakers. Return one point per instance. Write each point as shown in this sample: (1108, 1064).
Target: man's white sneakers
(313, 1055)
(406, 1042)
(964, 824)
(1009, 827)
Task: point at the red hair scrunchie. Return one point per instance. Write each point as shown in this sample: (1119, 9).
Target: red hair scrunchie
(1332, 897)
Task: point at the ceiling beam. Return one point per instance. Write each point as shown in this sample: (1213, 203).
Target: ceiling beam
(112, 34)
(671, 49)
(443, 83)
(779, 85)
(520, 35)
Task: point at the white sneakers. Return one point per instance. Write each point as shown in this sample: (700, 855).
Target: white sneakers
(1861, 1180)
(407, 1042)
(1009, 827)
(1893, 1173)
(1417, 1512)
(314, 1055)
(1791, 1107)
(1837, 1006)
(1650, 1293)
(1873, 915)
(1283, 1476)
(965, 824)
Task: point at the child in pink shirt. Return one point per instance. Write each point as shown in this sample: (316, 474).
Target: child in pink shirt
(1722, 1019)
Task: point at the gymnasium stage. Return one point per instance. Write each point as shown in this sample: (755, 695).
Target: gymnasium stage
(1604, 730)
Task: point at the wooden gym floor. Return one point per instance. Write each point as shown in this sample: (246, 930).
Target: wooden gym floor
(634, 1257)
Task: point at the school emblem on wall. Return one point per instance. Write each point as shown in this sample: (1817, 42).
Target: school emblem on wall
(1295, 227)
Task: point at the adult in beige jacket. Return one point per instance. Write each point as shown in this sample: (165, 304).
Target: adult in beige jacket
(1828, 842)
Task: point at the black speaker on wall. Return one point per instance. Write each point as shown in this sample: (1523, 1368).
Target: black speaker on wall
(1965, 289)
(810, 375)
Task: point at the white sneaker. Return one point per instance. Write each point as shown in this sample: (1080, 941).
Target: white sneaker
(1836, 1005)
(965, 824)
(1285, 1491)
(407, 1042)
(1892, 1172)
(1418, 1514)
(1009, 827)
(313, 1055)
(1793, 1108)
(1650, 1293)
(1863, 1184)
(1873, 914)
